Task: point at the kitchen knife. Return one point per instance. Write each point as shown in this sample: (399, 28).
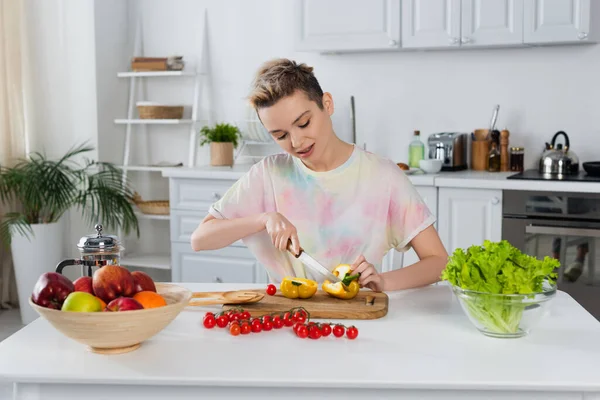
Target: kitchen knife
(313, 264)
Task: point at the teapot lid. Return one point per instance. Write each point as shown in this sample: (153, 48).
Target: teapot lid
(98, 242)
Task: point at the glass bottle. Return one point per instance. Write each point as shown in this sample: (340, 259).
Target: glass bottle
(494, 158)
(416, 150)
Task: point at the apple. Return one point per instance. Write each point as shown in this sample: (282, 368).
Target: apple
(84, 284)
(51, 290)
(143, 282)
(124, 304)
(112, 281)
(82, 302)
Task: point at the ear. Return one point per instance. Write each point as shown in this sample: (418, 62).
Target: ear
(328, 103)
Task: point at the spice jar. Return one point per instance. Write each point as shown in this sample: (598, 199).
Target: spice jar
(517, 157)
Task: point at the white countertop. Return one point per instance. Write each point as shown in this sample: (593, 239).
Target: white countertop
(458, 179)
(425, 342)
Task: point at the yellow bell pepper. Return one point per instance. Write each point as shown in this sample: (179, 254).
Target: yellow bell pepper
(350, 281)
(294, 288)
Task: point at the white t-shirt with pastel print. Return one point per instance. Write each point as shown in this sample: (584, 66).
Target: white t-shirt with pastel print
(365, 206)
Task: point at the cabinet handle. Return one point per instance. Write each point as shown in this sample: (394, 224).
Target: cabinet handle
(216, 196)
(393, 43)
(454, 40)
(217, 280)
(582, 35)
(495, 200)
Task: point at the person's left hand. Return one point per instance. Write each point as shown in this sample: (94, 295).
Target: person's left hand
(369, 277)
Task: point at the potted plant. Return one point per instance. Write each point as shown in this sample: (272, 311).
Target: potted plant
(41, 191)
(223, 138)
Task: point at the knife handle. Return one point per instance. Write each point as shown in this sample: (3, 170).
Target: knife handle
(289, 248)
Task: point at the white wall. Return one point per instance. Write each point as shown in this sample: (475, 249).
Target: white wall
(540, 90)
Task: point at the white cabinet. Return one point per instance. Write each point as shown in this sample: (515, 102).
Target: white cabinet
(342, 25)
(430, 23)
(467, 217)
(491, 22)
(456, 23)
(560, 21)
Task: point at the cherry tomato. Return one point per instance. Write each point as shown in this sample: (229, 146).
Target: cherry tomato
(266, 318)
(245, 315)
(256, 327)
(277, 322)
(299, 316)
(338, 331)
(234, 329)
(235, 317)
(352, 332)
(267, 326)
(271, 289)
(302, 331)
(209, 314)
(209, 321)
(314, 332)
(287, 320)
(245, 328)
(222, 321)
(326, 330)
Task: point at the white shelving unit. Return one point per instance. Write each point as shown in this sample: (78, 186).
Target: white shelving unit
(134, 125)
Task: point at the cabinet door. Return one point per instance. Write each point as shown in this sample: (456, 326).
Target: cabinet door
(491, 22)
(430, 23)
(429, 195)
(227, 265)
(467, 217)
(557, 21)
(338, 25)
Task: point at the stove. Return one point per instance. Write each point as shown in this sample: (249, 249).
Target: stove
(534, 174)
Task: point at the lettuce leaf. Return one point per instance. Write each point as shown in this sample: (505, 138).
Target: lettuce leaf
(499, 268)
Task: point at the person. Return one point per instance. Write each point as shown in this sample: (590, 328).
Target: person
(341, 204)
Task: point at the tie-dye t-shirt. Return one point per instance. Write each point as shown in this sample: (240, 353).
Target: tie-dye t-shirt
(365, 206)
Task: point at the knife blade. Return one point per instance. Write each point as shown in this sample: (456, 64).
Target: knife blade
(313, 264)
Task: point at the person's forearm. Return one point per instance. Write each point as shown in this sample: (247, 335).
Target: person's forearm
(421, 273)
(219, 233)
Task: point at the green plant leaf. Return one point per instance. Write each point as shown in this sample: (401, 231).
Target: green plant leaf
(220, 133)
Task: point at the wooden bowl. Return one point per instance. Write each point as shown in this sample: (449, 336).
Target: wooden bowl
(122, 331)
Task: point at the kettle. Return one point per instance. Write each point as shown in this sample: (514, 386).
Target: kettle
(96, 250)
(557, 160)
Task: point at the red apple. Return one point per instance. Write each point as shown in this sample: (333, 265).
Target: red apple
(84, 284)
(143, 282)
(51, 290)
(112, 281)
(124, 304)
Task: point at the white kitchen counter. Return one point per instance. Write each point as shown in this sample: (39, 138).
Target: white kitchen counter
(458, 179)
(424, 348)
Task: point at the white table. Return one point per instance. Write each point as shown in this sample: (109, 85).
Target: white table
(424, 348)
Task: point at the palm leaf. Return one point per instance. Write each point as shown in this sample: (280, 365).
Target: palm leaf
(17, 222)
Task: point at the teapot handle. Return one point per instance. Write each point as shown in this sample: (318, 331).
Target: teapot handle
(61, 265)
(567, 145)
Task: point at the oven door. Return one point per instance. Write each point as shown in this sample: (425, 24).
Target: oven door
(576, 244)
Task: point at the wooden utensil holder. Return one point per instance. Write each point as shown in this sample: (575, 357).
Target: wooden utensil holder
(480, 149)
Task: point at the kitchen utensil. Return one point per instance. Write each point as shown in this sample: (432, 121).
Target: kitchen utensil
(366, 305)
(230, 297)
(592, 168)
(118, 332)
(493, 121)
(353, 119)
(451, 148)
(313, 264)
(96, 250)
(559, 160)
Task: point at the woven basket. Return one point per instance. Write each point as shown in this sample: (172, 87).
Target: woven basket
(160, 112)
(154, 207)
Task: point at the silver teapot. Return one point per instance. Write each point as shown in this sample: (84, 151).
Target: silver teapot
(96, 250)
(559, 160)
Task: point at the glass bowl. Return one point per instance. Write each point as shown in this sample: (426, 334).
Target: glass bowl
(505, 315)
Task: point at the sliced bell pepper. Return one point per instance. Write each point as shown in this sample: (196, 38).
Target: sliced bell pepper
(294, 288)
(346, 289)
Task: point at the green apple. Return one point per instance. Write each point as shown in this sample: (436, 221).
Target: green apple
(82, 302)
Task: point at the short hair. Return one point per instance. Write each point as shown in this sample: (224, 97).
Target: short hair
(281, 77)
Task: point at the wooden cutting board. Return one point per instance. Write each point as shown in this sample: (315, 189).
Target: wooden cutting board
(366, 305)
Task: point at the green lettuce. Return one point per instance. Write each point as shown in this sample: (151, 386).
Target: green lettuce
(498, 268)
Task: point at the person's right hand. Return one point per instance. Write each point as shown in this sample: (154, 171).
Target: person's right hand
(281, 230)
